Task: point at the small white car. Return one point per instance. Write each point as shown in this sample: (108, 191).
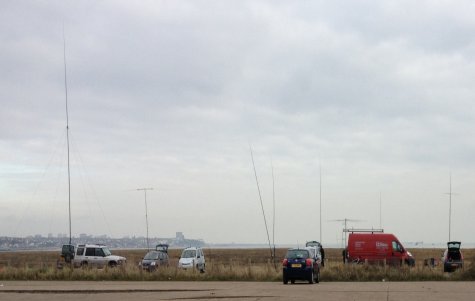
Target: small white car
(96, 256)
(192, 258)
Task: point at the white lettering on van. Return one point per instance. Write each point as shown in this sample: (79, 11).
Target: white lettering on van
(381, 245)
(359, 244)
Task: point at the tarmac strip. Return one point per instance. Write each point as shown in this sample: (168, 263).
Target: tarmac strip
(98, 291)
(236, 291)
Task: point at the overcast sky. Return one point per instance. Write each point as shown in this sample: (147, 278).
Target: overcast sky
(379, 95)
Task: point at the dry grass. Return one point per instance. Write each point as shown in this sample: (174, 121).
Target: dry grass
(225, 265)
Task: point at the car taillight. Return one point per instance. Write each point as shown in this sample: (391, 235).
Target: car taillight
(308, 262)
(284, 262)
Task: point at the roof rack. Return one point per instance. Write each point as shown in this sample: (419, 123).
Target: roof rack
(364, 230)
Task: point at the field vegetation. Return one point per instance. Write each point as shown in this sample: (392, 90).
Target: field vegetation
(226, 265)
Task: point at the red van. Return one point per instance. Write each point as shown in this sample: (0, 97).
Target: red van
(377, 247)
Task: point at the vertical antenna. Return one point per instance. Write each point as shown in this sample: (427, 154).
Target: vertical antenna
(380, 205)
(273, 215)
(146, 212)
(450, 193)
(260, 198)
(346, 229)
(67, 132)
(321, 204)
(450, 202)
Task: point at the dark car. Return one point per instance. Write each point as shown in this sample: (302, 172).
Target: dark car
(300, 264)
(452, 258)
(154, 259)
(67, 255)
(67, 252)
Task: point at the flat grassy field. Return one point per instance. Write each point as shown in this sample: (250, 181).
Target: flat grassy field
(227, 264)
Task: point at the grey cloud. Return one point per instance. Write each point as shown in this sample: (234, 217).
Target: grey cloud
(171, 93)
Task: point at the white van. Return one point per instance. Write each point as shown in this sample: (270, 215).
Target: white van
(192, 257)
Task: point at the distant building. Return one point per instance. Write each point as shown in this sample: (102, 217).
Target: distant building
(179, 237)
(83, 236)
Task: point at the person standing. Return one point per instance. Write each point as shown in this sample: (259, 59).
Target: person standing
(322, 251)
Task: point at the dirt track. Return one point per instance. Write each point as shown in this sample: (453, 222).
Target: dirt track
(142, 291)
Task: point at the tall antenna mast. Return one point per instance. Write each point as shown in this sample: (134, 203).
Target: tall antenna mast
(450, 193)
(146, 212)
(67, 132)
(321, 204)
(450, 203)
(380, 206)
(273, 216)
(260, 198)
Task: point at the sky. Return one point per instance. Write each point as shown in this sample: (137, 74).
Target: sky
(363, 107)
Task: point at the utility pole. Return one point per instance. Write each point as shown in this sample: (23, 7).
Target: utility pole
(146, 212)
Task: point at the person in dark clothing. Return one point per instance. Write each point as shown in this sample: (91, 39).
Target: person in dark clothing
(322, 251)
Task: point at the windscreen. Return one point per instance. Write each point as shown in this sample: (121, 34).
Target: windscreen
(106, 251)
(188, 254)
(297, 254)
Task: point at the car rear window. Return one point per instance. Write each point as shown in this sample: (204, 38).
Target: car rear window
(297, 254)
(152, 255)
(453, 245)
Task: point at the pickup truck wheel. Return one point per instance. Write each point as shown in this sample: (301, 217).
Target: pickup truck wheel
(84, 264)
(112, 264)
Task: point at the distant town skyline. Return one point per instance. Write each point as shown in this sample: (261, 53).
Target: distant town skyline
(40, 242)
(37, 241)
